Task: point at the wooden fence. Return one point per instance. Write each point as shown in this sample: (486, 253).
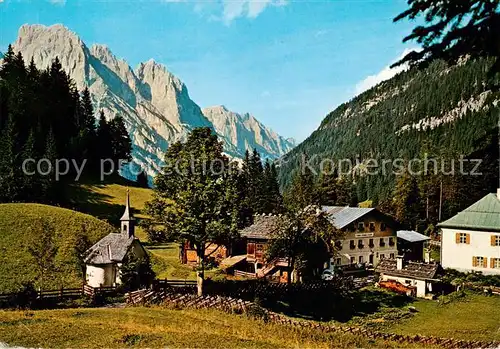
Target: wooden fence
(244, 274)
(239, 306)
(159, 284)
(56, 294)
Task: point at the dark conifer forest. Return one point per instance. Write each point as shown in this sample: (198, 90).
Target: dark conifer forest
(443, 112)
(44, 116)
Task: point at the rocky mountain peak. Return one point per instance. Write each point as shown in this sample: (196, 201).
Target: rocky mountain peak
(154, 103)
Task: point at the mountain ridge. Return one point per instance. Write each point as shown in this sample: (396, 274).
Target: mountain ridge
(447, 111)
(154, 103)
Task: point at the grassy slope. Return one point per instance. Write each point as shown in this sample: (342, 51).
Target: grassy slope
(106, 201)
(16, 222)
(156, 327)
(475, 318)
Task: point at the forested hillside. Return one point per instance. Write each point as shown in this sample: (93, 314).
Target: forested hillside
(440, 112)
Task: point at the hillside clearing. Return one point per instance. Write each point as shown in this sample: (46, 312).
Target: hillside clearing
(157, 327)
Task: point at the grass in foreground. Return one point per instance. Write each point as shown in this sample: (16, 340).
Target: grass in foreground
(156, 327)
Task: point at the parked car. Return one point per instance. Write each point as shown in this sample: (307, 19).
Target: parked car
(327, 275)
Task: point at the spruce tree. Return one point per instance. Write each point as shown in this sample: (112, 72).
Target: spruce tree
(9, 163)
(104, 148)
(142, 179)
(121, 145)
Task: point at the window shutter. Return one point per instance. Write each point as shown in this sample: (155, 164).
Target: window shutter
(492, 263)
(493, 240)
(485, 262)
(457, 238)
(474, 262)
(467, 239)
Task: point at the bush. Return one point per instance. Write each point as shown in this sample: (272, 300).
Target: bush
(26, 297)
(452, 297)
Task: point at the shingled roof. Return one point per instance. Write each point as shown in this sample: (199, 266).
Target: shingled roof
(483, 215)
(262, 228)
(414, 270)
(110, 249)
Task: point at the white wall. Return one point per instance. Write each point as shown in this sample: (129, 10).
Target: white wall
(419, 284)
(100, 275)
(366, 251)
(459, 256)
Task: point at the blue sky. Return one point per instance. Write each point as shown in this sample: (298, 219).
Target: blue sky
(287, 62)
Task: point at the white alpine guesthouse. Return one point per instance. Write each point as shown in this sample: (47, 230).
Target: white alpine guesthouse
(470, 240)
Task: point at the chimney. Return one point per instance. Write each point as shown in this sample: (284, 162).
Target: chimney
(427, 256)
(498, 193)
(109, 252)
(399, 262)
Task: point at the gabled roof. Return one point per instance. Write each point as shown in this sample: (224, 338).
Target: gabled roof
(262, 228)
(341, 216)
(414, 270)
(483, 215)
(412, 236)
(110, 249)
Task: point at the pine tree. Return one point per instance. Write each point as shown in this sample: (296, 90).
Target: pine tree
(104, 147)
(121, 145)
(453, 29)
(303, 190)
(142, 179)
(407, 200)
(328, 188)
(9, 162)
(49, 184)
(30, 187)
(273, 201)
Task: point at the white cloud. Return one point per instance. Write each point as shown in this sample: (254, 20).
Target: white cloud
(233, 9)
(384, 74)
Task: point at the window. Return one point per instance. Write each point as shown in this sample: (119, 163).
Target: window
(371, 244)
(361, 226)
(391, 241)
(371, 259)
(382, 243)
(124, 228)
(338, 245)
(495, 263)
(360, 244)
(480, 262)
(360, 259)
(391, 256)
(383, 226)
(339, 261)
(251, 249)
(353, 260)
(372, 226)
(351, 245)
(382, 256)
(462, 238)
(259, 251)
(495, 240)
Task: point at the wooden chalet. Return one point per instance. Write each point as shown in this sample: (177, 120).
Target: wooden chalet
(213, 252)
